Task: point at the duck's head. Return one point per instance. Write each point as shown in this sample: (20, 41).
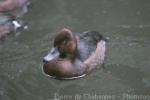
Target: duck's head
(65, 46)
(9, 25)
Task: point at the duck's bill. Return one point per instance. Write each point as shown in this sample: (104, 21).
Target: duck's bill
(51, 55)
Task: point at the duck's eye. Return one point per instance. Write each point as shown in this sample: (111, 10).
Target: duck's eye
(65, 42)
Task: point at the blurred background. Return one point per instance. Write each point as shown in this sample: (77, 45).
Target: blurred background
(127, 68)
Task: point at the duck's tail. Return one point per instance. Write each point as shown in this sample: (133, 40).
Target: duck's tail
(97, 57)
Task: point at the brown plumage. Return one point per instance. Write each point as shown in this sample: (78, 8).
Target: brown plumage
(70, 63)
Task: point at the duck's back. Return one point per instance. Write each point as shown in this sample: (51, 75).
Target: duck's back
(87, 43)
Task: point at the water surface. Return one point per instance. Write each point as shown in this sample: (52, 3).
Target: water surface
(127, 67)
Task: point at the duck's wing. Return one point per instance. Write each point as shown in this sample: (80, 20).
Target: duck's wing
(84, 49)
(87, 43)
(97, 57)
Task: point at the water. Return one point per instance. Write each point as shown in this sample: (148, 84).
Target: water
(126, 73)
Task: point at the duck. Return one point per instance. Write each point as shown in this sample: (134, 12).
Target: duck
(74, 55)
(8, 25)
(15, 8)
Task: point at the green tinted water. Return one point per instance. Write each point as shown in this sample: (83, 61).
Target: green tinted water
(125, 22)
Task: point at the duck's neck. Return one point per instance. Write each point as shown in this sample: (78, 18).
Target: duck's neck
(71, 57)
